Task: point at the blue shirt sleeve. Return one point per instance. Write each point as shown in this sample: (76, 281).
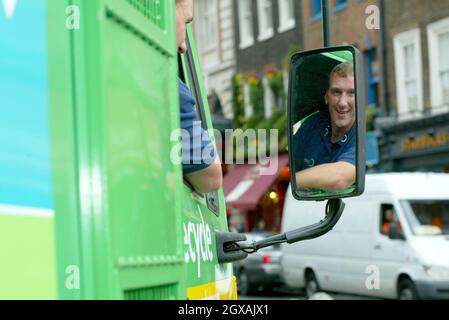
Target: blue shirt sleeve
(198, 152)
(348, 153)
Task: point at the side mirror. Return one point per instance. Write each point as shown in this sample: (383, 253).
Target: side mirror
(395, 232)
(326, 121)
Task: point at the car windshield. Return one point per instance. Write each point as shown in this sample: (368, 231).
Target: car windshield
(427, 217)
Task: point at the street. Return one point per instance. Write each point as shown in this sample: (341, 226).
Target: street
(282, 294)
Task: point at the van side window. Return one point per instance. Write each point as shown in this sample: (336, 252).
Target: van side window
(387, 216)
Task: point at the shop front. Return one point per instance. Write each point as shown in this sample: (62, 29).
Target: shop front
(254, 199)
(420, 145)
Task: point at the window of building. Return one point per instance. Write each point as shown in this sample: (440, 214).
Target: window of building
(286, 15)
(265, 15)
(208, 22)
(407, 47)
(387, 216)
(340, 5)
(438, 35)
(316, 9)
(245, 23)
(372, 78)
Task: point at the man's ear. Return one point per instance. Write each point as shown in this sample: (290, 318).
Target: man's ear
(325, 99)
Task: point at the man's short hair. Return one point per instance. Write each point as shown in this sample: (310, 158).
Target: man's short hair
(343, 70)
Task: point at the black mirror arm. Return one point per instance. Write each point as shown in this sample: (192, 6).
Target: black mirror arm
(334, 210)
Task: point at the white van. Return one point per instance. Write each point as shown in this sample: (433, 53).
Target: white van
(364, 254)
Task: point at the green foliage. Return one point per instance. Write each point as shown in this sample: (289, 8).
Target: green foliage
(291, 51)
(276, 84)
(238, 105)
(256, 96)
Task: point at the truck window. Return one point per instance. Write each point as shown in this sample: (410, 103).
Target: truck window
(427, 217)
(192, 79)
(387, 215)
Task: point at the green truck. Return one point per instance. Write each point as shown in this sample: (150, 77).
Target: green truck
(91, 205)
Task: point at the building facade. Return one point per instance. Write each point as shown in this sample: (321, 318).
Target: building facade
(214, 33)
(265, 32)
(353, 22)
(415, 131)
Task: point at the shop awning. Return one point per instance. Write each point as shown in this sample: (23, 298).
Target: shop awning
(246, 183)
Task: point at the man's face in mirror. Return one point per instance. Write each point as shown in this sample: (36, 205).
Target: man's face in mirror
(340, 98)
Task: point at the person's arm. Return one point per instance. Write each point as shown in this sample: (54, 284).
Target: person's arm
(206, 180)
(329, 177)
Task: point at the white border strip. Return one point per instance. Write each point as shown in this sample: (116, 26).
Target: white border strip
(7, 210)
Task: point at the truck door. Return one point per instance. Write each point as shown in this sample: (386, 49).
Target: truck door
(121, 218)
(203, 215)
(387, 254)
(357, 243)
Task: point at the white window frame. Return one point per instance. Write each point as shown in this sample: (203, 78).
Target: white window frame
(269, 102)
(286, 23)
(434, 30)
(206, 17)
(402, 40)
(265, 31)
(246, 100)
(245, 13)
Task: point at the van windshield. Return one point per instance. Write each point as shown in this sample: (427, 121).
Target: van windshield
(427, 217)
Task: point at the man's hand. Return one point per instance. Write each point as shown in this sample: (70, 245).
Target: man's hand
(206, 180)
(328, 177)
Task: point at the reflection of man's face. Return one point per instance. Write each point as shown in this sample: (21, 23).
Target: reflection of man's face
(340, 97)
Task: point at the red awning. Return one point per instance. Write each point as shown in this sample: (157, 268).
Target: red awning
(246, 183)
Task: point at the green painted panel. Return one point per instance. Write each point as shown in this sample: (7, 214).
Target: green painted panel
(126, 109)
(28, 258)
(63, 146)
(138, 126)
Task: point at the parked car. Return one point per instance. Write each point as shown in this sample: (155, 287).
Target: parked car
(392, 242)
(261, 270)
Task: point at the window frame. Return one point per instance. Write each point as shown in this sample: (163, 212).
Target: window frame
(382, 209)
(340, 6)
(244, 14)
(286, 23)
(316, 14)
(205, 18)
(434, 30)
(265, 32)
(401, 41)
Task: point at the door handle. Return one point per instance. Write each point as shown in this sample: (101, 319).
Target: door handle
(377, 247)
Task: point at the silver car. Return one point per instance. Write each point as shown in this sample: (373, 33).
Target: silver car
(260, 270)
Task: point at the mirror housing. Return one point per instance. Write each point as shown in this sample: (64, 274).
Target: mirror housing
(308, 84)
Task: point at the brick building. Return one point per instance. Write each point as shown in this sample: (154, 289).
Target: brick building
(415, 131)
(265, 31)
(349, 26)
